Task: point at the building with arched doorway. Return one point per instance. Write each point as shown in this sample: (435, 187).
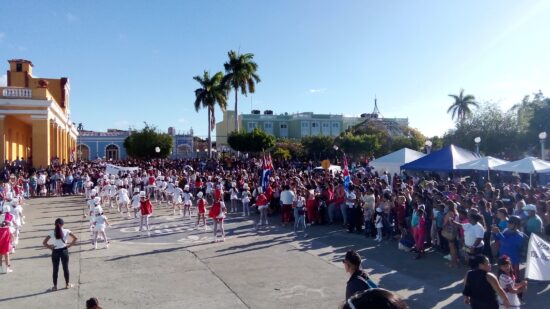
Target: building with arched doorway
(35, 125)
(108, 145)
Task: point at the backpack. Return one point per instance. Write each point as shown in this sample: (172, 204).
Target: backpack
(368, 282)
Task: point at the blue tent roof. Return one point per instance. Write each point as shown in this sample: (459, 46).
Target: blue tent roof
(444, 160)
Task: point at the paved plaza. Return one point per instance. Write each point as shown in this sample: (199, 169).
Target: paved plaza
(180, 267)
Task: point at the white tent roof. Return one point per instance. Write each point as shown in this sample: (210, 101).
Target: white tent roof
(392, 162)
(481, 164)
(527, 165)
(402, 156)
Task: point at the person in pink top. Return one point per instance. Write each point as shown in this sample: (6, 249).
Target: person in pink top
(5, 245)
(420, 232)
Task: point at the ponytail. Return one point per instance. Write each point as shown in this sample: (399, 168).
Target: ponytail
(59, 228)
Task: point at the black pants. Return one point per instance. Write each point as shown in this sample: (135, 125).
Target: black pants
(63, 255)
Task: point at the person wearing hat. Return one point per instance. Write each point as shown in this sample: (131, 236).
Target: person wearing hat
(187, 201)
(234, 196)
(511, 242)
(201, 205)
(60, 251)
(146, 211)
(245, 199)
(533, 222)
(5, 245)
(359, 281)
(99, 227)
(178, 200)
(123, 201)
(136, 202)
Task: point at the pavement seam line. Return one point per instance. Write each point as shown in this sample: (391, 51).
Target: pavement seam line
(219, 278)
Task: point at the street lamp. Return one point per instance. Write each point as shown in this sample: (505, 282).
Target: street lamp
(542, 137)
(477, 140)
(428, 145)
(157, 149)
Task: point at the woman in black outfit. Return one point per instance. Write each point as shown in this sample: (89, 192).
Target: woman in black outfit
(481, 286)
(60, 250)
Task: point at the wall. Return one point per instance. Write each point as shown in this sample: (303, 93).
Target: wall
(97, 145)
(18, 138)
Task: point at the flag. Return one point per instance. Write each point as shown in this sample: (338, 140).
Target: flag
(538, 259)
(267, 171)
(347, 177)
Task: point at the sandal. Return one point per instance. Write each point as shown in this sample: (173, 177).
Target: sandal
(53, 289)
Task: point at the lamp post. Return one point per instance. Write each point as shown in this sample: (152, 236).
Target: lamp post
(428, 144)
(477, 140)
(542, 137)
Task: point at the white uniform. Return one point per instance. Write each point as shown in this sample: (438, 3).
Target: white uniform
(123, 196)
(100, 222)
(136, 201)
(178, 195)
(187, 198)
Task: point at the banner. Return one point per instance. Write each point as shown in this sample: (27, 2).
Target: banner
(538, 259)
(114, 169)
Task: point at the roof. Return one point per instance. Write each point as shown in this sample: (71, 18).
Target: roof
(103, 134)
(403, 155)
(21, 60)
(445, 159)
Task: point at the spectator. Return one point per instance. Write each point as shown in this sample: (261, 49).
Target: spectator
(359, 280)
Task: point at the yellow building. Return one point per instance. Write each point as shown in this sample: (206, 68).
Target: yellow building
(35, 120)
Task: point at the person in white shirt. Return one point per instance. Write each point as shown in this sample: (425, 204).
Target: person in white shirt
(178, 201)
(136, 202)
(473, 234)
(300, 212)
(234, 194)
(123, 201)
(99, 228)
(187, 201)
(287, 199)
(17, 213)
(245, 195)
(60, 245)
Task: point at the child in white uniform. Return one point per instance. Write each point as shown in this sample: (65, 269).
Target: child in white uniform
(99, 228)
(123, 201)
(178, 200)
(187, 201)
(135, 202)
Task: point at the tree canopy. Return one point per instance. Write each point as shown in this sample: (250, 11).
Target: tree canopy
(255, 141)
(142, 144)
(461, 107)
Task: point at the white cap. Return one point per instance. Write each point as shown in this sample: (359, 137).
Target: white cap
(186, 187)
(136, 190)
(530, 207)
(199, 195)
(142, 193)
(6, 208)
(98, 209)
(97, 199)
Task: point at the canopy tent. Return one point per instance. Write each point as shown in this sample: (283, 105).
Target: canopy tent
(528, 165)
(392, 162)
(482, 164)
(444, 160)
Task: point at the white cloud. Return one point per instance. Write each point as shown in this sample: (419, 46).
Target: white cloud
(317, 90)
(3, 80)
(71, 17)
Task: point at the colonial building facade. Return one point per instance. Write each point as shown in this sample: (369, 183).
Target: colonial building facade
(35, 124)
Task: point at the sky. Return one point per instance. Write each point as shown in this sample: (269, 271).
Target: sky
(131, 62)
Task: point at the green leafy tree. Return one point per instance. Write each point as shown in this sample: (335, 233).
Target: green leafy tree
(255, 141)
(212, 92)
(142, 144)
(499, 132)
(282, 154)
(461, 107)
(241, 73)
(357, 145)
(294, 147)
(318, 147)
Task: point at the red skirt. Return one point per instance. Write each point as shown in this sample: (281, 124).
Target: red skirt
(215, 210)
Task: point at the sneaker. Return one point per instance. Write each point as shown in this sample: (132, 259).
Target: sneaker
(9, 270)
(107, 246)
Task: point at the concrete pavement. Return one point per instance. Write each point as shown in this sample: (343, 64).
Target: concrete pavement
(179, 267)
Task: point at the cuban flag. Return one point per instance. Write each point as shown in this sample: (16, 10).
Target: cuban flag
(347, 177)
(267, 171)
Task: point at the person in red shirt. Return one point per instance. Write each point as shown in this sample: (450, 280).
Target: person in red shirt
(217, 213)
(146, 211)
(262, 204)
(201, 205)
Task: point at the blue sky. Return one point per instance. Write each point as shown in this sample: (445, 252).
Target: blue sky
(133, 61)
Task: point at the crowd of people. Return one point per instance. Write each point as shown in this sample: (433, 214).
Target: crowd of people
(459, 216)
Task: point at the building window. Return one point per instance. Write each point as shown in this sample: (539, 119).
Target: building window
(19, 67)
(268, 126)
(251, 126)
(314, 124)
(305, 125)
(325, 124)
(284, 126)
(112, 153)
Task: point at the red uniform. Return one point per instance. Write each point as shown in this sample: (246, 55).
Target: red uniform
(217, 195)
(215, 210)
(146, 208)
(261, 200)
(201, 204)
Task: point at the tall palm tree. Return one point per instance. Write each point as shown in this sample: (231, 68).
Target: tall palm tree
(240, 74)
(211, 92)
(460, 109)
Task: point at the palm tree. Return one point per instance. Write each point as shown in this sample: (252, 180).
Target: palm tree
(211, 92)
(460, 109)
(240, 74)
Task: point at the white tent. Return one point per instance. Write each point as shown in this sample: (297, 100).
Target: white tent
(482, 164)
(392, 162)
(527, 165)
